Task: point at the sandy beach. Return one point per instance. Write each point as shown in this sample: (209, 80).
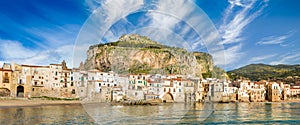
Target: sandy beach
(35, 102)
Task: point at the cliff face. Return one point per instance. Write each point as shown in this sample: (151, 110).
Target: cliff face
(136, 54)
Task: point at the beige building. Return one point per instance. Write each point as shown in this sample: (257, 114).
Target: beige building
(294, 91)
(273, 92)
(34, 79)
(257, 92)
(6, 80)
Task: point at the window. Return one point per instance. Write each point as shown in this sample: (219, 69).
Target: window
(115, 84)
(33, 89)
(99, 84)
(72, 83)
(73, 91)
(35, 83)
(32, 76)
(42, 83)
(164, 89)
(6, 79)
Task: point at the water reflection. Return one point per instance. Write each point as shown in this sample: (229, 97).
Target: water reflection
(45, 115)
(199, 113)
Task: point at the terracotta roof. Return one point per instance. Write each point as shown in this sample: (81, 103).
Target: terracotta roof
(295, 88)
(56, 64)
(35, 66)
(178, 79)
(1, 69)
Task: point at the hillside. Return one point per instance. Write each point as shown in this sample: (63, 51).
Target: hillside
(256, 72)
(137, 54)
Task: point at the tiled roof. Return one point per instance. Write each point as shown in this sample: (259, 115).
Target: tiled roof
(34, 66)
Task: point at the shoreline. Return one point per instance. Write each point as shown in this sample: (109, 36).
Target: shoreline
(10, 103)
(22, 102)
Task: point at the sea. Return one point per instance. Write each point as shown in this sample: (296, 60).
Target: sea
(167, 113)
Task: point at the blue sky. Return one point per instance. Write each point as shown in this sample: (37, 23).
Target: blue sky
(41, 32)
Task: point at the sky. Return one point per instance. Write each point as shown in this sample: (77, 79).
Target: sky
(235, 32)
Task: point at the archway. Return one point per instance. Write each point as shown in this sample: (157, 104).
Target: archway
(168, 97)
(20, 91)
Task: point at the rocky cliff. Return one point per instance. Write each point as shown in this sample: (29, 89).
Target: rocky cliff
(136, 54)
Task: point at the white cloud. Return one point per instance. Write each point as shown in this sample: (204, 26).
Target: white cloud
(274, 40)
(104, 14)
(237, 16)
(287, 59)
(231, 55)
(170, 13)
(261, 58)
(1, 63)
(14, 51)
(92, 5)
(53, 37)
(163, 23)
(234, 22)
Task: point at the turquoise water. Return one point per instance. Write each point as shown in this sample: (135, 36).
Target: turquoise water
(177, 113)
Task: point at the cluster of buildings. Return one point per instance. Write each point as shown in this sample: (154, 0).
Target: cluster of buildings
(57, 80)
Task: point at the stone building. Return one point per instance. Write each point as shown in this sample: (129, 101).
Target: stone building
(273, 92)
(257, 92)
(294, 91)
(35, 80)
(215, 92)
(6, 80)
